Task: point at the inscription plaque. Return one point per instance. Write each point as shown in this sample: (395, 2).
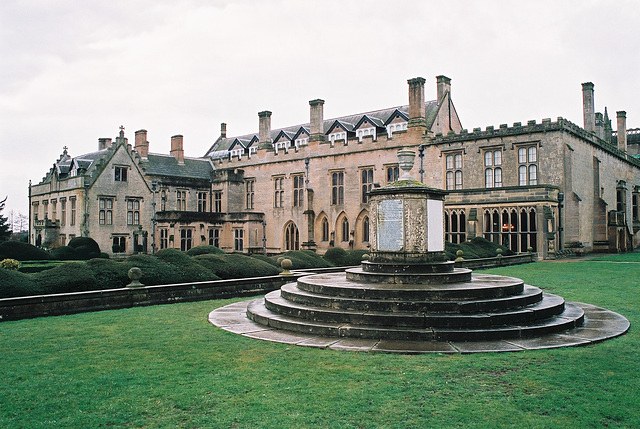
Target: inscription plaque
(390, 236)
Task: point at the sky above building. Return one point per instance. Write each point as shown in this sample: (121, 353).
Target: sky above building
(73, 72)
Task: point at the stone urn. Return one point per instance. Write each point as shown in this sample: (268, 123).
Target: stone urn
(406, 158)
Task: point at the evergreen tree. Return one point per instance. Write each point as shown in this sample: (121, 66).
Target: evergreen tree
(5, 231)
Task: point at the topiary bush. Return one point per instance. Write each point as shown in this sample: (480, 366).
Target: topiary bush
(68, 277)
(205, 250)
(22, 251)
(266, 259)
(65, 253)
(335, 255)
(344, 258)
(85, 247)
(109, 274)
(302, 259)
(188, 269)
(15, 283)
(236, 266)
(478, 247)
(154, 270)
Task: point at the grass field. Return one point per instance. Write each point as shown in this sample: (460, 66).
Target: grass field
(167, 367)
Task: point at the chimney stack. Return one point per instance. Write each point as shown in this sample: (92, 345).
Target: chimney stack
(588, 108)
(417, 111)
(264, 131)
(316, 126)
(104, 143)
(142, 145)
(223, 130)
(622, 130)
(177, 149)
(444, 86)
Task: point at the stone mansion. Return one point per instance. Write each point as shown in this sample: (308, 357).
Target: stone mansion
(535, 186)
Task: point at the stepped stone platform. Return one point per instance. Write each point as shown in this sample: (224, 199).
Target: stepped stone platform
(442, 310)
(406, 298)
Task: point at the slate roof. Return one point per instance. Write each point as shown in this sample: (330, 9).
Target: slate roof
(378, 117)
(167, 165)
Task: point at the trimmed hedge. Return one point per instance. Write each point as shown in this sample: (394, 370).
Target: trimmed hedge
(235, 266)
(344, 258)
(22, 251)
(205, 250)
(68, 277)
(109, 274)
(302, 259)
(187, 268)
(15, 283)
(65, 253)
(478, 247)
(266, 259)
(85, 248)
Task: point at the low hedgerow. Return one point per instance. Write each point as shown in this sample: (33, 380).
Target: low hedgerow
(205, 250)
(478, 247)
(344, 258)
(302, 259)
(235, 266)
(65, 253)
(266, 259)
(109, 274)
(22, 251)
(188, 269)
(15, 283)
(68, 277)
(154, 270)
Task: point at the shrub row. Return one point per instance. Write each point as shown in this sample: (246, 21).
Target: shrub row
(166, 267)
(478, 247)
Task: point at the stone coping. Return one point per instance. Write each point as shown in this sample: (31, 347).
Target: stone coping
(599, 325)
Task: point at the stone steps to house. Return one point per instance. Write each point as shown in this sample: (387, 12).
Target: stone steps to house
(480, 286)
(530, 295)
(571, 317)
(549, 306)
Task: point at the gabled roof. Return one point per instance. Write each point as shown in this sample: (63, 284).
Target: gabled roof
(374, 121)
(398, 113)
(338, 123)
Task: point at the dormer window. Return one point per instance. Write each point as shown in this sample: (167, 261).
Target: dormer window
(284, 144)
(366, 132)
(304, 141)
(337, 136)
(398, 126)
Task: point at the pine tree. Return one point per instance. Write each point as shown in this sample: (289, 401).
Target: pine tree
(5, 231)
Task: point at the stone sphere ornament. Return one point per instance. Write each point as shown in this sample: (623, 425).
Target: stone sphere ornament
(135, 274)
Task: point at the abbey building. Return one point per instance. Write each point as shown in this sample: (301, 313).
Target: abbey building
(536, 186)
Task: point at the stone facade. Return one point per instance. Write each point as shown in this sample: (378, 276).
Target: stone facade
(536, 186)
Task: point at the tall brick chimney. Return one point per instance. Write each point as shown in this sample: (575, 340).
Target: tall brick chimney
(223, 130)
(588, 107)
(622, 130)
(417, 110)
(316, 126)
(177, 149)
(444, 86)
(142, 145)
(104, 143)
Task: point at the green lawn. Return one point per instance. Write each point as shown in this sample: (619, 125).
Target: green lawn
(167, 367)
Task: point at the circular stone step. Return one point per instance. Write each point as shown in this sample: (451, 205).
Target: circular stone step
(530, 295)
(481, 286)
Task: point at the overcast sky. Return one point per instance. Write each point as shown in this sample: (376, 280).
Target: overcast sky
(74, 71)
